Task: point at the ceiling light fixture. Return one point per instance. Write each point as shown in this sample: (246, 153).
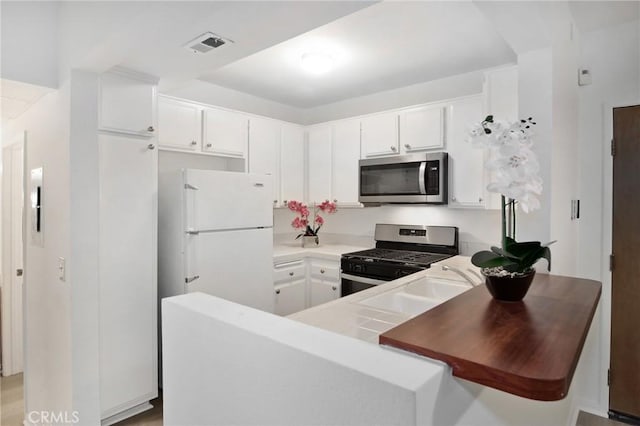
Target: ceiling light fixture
(316, 62)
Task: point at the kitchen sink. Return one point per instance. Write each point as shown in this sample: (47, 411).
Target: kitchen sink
(400, 301)
(417, 296)
(435, 288)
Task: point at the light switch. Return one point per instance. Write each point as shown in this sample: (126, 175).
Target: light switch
(61, 268)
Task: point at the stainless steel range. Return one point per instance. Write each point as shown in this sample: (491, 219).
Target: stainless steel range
(400, 250)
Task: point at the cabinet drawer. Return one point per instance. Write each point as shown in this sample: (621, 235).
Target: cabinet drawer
(326, 272)
(288, 271)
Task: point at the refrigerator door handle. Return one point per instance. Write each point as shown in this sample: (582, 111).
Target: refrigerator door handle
(189, 186)
(191, 279)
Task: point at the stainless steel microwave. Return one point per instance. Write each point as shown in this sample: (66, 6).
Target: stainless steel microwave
(405, 179)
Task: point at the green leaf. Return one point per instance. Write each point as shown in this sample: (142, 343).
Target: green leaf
(521, 250)
(487, 259)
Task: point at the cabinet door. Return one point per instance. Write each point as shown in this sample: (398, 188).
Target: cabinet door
(292, 163)
(323, 291)
(346, 153)
(422, 129)
(290, 271)
(466, 163)
(264, 150)
(290, 298)
(225, 133)
(127, 272)
(127, 105)
(319, 163)
(380, 135)
(179, 124)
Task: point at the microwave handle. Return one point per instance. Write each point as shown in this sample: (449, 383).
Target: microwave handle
(422, 175)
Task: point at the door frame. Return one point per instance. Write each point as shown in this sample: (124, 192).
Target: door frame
(607, 246)
(12, 318)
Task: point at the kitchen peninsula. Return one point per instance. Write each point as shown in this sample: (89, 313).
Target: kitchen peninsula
(289, 372)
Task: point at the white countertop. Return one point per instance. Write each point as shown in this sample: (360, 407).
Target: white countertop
(347, 317)
(289, 251)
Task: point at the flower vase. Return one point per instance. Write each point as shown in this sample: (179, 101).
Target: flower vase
(310, 241)
(508, 288)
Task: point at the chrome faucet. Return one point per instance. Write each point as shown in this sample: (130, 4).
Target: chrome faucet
(462, 274)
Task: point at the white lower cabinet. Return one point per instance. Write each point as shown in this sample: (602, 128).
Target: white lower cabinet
(290, 297)
(324, 281)
(302, 284)
(290, 284)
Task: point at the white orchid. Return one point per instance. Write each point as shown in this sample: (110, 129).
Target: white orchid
(515, 170)
(514, 165)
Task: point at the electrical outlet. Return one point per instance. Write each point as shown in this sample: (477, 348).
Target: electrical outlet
(61, 268)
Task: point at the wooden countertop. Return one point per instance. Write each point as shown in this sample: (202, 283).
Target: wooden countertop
(529, 348)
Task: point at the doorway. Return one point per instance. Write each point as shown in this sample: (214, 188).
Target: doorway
(624, 389)
(11, 324)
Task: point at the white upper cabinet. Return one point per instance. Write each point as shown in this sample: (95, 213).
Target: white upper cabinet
(501, 93)
(179, 124)
(466, 163)
(319, 163)
(291, 163)
(422, 129)
(225, 133)
(127, 103)
(380, 135)
(264, 150)
(346, 153)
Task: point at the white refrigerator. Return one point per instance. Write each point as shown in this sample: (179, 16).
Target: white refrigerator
(215, 235)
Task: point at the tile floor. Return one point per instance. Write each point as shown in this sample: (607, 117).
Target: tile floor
(12, 407)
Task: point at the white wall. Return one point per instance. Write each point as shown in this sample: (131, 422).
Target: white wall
(479, 229)
(47, 301)
(535, 100)
(29, 42)
(564, 168)
(83, 259)
(226, 363)
(613, 57)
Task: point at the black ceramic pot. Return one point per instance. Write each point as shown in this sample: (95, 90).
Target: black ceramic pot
(509, 289)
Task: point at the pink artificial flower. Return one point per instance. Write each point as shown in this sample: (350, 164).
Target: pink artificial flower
(328, 206)
(304, 211)
(294, 206)
(319, 220)
(299, 223)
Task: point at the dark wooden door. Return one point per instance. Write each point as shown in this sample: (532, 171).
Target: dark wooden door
(624, 391)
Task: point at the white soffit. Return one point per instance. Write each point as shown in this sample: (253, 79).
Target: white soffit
(385, 46)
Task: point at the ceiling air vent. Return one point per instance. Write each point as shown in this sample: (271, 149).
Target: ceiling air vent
(206, 42)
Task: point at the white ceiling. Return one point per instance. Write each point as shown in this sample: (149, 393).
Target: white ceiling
(381, 47)
(16, 97)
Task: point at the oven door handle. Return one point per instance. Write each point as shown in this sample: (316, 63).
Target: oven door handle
(422, 176)
(363, 280)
